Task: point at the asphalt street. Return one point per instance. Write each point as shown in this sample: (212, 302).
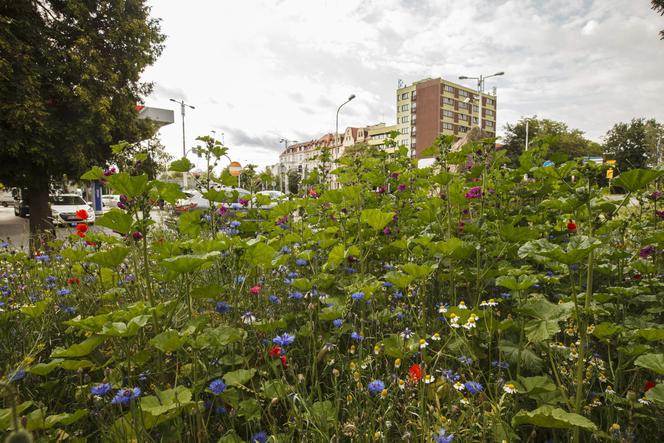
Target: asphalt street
(15, 230)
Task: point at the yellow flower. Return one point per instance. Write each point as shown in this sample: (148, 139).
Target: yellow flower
(352, 365)
(615, 427)
(397, 363)
(509, 388)
(383, 393)
(349, 398)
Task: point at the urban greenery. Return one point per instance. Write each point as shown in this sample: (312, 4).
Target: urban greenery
(459, 302)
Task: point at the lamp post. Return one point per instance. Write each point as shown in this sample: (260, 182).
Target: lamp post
(336, 128)
(183, 105)
(480, 91)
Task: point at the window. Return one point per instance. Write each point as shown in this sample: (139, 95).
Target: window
(489, 101)
(448, 126)
(476, 108)
(463, 117)
(404, 96)
(404, 107)
(413, 95)
(488, 112)
(489, 124)
(462, 129)
(404, 119)
(447, 113)
(475, 120)
(448, 101)
(463, 93)
(405, 130)
(449, 88)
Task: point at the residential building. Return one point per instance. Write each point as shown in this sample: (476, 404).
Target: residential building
(431, 107)
(377, 134)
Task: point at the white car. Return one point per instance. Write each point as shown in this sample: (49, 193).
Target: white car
(276, 197)
(196, 201)
(65, 206)
(109, 201)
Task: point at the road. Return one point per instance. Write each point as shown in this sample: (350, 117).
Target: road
(15, 230)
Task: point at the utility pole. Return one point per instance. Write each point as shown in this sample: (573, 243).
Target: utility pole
(282, 169)
(480, 91)
(183, 105)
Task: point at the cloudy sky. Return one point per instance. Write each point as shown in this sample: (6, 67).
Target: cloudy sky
(260, 70)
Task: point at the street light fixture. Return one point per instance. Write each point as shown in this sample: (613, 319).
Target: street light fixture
(184, 149)
(336, 130)
(282, 168)
(480, 91)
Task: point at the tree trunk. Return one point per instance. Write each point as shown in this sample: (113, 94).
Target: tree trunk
(41, 228)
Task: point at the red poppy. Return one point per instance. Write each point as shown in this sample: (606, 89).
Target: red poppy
(312, 193)
(284, 361)
(80, 234)
(276, 351)
(90, 243)
(571, 226)
(73, 280)
(636, 276)
(82, 214)
(415, 372)
(82, 227)
(255, 290)
(649, 385)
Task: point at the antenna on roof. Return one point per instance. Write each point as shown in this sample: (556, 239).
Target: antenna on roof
(400, 84)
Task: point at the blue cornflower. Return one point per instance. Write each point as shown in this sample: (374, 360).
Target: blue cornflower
(387, 284)
(217, 386)
(355, 336)
(125, 395)
(443, 436)
(296, 295)
(4, 244)
(222, 307)
(292, 275)
(143, 376)
(62, 292)
(398, 295)
(500, 364)
(505, 294)
(240, 279)
(68, 309)
(301, 262)
(337, 323)
(350, 270)
(17, 375)
(466, 360)
(220, 410)
(101, 389)
(357, 296)
(474, 387)
(42, 258)
(259, 437)
(451, 376)
(236, 206)
(376, 386)
(274, 299)
(235, 224)
(388, 266)
(285, 250)
(284, 339)
(51, 279)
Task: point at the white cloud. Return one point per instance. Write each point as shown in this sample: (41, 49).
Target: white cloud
(261, 70)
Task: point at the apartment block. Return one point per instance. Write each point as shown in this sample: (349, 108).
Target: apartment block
(379, 133)
(431, 107)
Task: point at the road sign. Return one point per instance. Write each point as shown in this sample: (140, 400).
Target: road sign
(235, 169)
(609, 173)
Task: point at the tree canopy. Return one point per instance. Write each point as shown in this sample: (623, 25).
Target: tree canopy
(634, 144)
(560, 140)
(69, 84)
(658, 6)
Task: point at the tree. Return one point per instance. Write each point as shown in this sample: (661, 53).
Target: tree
(634, 144)
(267, 179)
(561, 141)
(146, 157)
(69, 86)
(658, 6)
(293, 181)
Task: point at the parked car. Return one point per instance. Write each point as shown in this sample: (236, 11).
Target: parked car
(65, 206)
(109, 201)
(196, 201)
(6, 198)
(275, 197)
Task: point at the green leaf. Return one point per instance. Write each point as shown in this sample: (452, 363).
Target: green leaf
(45, 368)
(418, 272)
(80, 349)
(399, 279)
(301, 284)
(239, 377)
(249, 409)
(652, 334)
(168, 341)
(550, 417)
(182, 165)
(218, 196)
(166, 401)
(323, 413)
(260, 255)
(188, 263)
(275, 389)
(376, 218)
(34, 311)
(65, 418)
(190, 223)
(219, 337)
(536, 385)
(111, 258)
(116, 220)
(578, 248)
(169, 192)
(636, 179)
(654, 362)
(121, 329)
(6, 414)
(130, 185)
(520, 283)
(656, 394)
(605, 330)
(96, 173)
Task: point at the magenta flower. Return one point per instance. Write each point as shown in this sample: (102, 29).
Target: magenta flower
(645, 252)
(222, 210)
(402, 187)
(381, 190)
(474, 192)
(387, 230)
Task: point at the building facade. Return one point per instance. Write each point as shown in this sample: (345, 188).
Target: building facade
(431, 107)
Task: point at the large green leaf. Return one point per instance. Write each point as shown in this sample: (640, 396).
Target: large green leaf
(111, 258)
(130, 185)
(260, 254)
(80, 349)
(116, 220)
(188, 263)
(578, 248)
(122, 329)
(656, 394)
(636, 179)
(168, 341)
(169, 192)
(190, 223)
(376, 218)
(550, 417)
(96, 173)
(182, 165)
(217, 338)
(654, 362)
(519, 283)
(239, 376)
(546, 316)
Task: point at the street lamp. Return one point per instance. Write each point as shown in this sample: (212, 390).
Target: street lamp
(480, 90)
(336, 130)
(184, 150)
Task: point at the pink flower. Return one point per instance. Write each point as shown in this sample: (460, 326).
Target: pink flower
(474, 192)
(387, 230)
(255, 290)
(402, 187)
(222, 210)
(381, 190)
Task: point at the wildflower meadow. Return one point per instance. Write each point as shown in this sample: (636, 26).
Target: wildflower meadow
(475, 300)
